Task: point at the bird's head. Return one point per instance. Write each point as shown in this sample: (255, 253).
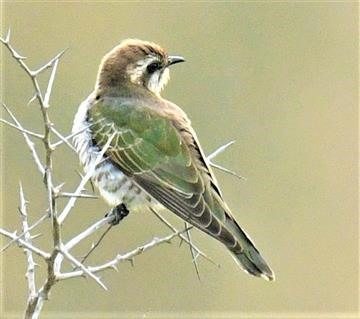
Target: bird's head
(136, 62)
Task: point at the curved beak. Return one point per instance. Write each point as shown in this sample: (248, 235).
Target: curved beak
(173, 59)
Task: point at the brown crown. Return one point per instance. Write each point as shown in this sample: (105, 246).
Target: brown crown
(112, 70)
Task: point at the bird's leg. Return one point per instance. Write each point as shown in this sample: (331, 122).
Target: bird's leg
(119, 212)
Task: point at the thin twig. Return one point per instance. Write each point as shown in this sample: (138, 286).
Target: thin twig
(87, 232)
(69, 137)
(49, 64)
(96, 244)
(25, 244)
(30, 272)
(38, 222)
(62, 138)
(51, 81)
(182, 236)
(82, 267)
(224, 169)
(122, 257)
(193, 253)
(80, 237)
(29, 143)
(39, 136)
(65, 194)
(219, 150)
(84, 180)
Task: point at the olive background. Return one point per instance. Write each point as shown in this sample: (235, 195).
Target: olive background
(280, 78)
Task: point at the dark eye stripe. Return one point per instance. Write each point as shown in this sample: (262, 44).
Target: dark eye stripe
(152, 67)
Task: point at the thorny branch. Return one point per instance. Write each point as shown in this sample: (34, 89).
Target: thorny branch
(60, 250)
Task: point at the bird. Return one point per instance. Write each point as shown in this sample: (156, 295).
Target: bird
(153, 155)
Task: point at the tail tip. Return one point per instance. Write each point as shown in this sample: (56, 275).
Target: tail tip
(268, 276)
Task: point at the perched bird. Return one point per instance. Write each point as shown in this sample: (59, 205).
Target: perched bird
(154, 155)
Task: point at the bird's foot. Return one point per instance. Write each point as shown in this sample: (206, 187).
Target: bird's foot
(119, 212)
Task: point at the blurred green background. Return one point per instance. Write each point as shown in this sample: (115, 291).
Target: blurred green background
(279, 78)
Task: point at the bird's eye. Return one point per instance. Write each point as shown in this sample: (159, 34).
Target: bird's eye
(152, 67)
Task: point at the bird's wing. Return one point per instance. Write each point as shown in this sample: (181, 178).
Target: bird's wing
(159, 150)
(165, 161)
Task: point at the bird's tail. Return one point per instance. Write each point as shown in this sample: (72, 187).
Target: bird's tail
(249, 258)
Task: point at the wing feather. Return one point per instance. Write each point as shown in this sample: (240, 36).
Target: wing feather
(166, 162)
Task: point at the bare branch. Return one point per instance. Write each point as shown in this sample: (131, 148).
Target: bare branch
(25, 244)
(82, 267)
(50, 83)
(192, 251)
(62, 138)
(94, 246)
(29, 143)
(64, 194)
(38, 222)
(83, 182)
(125, 257)
(39, 136)
(69, 137)
(87, 232)
(221, 168)
(30, 272)
(27, 70)
(32, 99)
(7, 37)
(184, 238)
(218, 151)
(80, 237)
(48, 65)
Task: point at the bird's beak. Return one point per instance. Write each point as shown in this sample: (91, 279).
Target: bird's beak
(175, 59)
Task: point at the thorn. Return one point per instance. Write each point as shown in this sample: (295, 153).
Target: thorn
(32, 99)
(7, 37)
(36, 236)
(19, 57)
(115, 268)
(49, 64)
(181, 241)
(131, 260)
(221, 168)
(58, 188)
(219, 150)
(61, 53)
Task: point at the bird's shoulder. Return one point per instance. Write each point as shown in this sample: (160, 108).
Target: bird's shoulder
(158, 122)
(147, 105)
(150, 120)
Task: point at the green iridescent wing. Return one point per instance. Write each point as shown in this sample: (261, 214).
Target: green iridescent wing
(150, 149)
(164, 158)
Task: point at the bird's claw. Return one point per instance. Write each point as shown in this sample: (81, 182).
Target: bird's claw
(119, 212)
